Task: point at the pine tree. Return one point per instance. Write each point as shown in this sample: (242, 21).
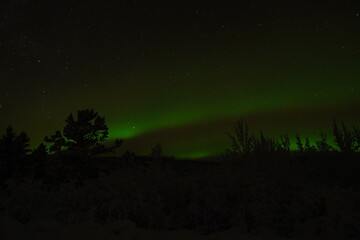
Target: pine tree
(299, 143)
(344, 138)
(12, 146)
(58, 142)
(13, 149)
(82, 135)
(322, 145)
(86, 131)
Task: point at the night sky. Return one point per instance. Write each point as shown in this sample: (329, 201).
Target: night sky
(180, 73)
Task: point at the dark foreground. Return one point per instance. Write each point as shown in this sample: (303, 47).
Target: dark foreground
(313, 196)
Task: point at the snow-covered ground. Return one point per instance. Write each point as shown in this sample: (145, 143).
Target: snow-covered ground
(124, 230)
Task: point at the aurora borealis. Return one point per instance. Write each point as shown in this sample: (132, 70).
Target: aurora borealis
(182, 73)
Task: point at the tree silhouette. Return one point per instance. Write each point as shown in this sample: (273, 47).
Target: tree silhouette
(12, 150)
(322, 145)
(299, 143)
(241, 142)
(284, 143)
(344, 138)
(156, 155)
(156, 151)
(263, 144)
(86, 131)
(12, 146)
(357, 137)
(58, 142)
(40, 152)
(308, 147)
(7, 143)
(82, 135)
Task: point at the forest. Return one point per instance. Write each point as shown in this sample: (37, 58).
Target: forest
(258, 187)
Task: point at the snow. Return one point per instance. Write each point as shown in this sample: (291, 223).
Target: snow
(124, 230)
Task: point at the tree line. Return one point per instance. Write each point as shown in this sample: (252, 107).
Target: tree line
(83, 136)
(244, 143)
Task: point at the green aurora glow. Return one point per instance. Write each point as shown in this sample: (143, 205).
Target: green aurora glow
(163, 73)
